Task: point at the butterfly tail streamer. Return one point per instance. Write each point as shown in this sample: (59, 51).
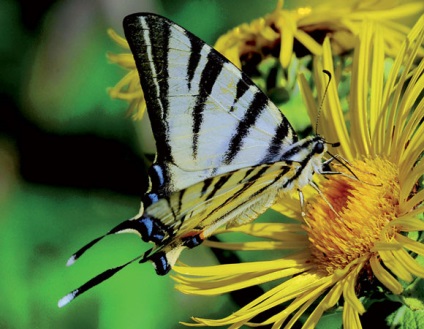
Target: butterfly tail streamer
(82, 250)
(140, 226)
(94, 282)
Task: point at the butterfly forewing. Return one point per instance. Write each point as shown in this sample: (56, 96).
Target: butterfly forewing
(207, 116)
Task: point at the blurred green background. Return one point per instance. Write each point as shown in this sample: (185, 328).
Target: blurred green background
(71, 166)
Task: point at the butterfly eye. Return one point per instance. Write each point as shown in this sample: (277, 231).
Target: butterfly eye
(318, 148)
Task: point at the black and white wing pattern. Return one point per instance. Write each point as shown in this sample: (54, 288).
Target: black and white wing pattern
(207, 116)
(224, 150)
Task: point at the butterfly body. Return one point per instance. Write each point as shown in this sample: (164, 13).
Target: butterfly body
(224, 150)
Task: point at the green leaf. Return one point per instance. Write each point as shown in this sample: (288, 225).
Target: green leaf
(330, 320)
(405, 318)
(413, 296)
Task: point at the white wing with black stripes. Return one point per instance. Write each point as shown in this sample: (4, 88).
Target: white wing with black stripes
(207, 116)
(224, 151)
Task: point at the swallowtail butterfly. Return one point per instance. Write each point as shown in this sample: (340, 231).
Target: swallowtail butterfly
(224, 150)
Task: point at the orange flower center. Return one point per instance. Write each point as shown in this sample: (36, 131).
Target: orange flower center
(361, 210)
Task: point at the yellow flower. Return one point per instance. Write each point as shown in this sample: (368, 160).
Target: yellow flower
(285, 33)
(369, 233)
(128, 88)
(302, 31)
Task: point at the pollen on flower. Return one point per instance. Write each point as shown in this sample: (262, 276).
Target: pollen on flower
(363, 208)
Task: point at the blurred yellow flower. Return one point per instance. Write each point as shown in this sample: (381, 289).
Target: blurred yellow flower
(128, 88)
(370, 232)
(302, 31)
(283, 34)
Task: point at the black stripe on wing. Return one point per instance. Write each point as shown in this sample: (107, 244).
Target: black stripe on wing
(257, 105)
(281, 132)
(194, 59)
(218, 185)
(208, 78)
(148, 38)
(241, 89)
(246, 186)
(303, 145)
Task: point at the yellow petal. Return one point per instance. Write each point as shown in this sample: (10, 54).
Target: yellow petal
(287, 26)
(298, 261)
(408, 224)
(351, 317)
(327, 302)
(392, 262)
(385, 277)
(209, 288)
(118, 39)
(295, 243)
(349, 290)
(306, 40)
(412, 245)
(409, 263)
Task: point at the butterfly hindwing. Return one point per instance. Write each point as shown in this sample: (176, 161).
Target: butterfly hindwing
(190, 215)
(207, 116)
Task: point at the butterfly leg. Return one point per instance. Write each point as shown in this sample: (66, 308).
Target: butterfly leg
(302, 202)
(323, 196)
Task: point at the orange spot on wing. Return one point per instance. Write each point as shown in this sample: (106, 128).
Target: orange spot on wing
(193, 233)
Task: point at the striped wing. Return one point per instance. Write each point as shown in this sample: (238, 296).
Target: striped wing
(207, 116)
(220, 199)
(187, 217)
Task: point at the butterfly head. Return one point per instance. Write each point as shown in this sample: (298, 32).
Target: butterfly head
(316, 148)
(306, 149)
(308, 153)
(319, 145)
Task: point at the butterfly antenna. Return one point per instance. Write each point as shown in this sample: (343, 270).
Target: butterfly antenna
(323, 98)
(344, 163)
(347, 165)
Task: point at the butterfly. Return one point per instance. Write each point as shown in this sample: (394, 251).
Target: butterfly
(224, 150)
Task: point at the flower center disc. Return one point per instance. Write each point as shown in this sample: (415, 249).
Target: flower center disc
(361, 210)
